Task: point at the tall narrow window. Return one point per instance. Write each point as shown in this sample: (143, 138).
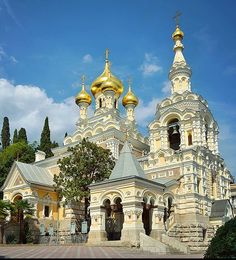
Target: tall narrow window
(190, 139)
(100, 102)
(206, 132)
(46, 211)
(115, 103)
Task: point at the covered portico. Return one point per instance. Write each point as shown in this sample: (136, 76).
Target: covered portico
(126, 204)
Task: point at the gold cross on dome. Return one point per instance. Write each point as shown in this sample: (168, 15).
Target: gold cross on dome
(83, 79)
(129, 81)
(176, 17)
(107, 53)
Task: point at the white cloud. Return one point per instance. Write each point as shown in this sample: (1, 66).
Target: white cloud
(13, 59)
(144, 113)
(87, 58)
(150, 65)
(166, 88)
(5, 57)
(27, 106)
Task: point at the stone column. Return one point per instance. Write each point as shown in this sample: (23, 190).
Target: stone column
(133, 225)
(158, 224)
(164, 138)
(97, 231)
(204, 143)
(182, 137)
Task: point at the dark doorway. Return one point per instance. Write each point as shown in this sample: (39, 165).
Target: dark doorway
(147, 216)
(114, 219)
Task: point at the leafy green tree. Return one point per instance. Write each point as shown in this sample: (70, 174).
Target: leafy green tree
(5, 209)
(23, 209)
(5, 136)
(86, 163)
(223, 244)
(45, 140)
(22, 136)
(15, 136)
(19, 151)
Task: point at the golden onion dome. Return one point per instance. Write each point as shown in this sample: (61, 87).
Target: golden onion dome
(83, 97)
(97, 83)
(109, 84)
(130, 98)
(178, 34)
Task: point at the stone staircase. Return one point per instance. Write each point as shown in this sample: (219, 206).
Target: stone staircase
(195, 236)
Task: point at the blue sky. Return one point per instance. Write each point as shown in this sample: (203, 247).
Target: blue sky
(45, 47)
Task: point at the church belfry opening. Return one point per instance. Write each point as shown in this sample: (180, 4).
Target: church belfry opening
(174, 134)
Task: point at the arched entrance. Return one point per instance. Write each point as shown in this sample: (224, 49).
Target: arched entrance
(17, 197)
(147, 215)
(15, 216)
(114, 219)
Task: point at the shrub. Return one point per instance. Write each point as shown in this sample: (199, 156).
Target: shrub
(11, 239)
(223, 244)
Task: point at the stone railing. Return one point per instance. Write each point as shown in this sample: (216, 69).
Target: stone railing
(175, 243)
(152, 245)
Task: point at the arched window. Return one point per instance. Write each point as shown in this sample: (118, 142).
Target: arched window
(173, 134)
(206, 132)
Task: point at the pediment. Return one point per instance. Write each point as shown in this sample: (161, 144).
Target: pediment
(14, 179)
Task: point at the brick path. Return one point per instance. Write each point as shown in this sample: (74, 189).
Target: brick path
(80, 251)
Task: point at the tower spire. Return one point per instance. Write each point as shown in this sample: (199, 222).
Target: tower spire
(180, 72)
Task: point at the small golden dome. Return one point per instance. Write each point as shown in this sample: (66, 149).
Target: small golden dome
(97, 83)
(130, 98)
(178, 34)
(83, 96)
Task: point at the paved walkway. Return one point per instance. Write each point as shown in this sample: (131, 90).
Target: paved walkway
(80, 251)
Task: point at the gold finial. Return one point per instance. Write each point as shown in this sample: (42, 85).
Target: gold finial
(129, 83)
(176, 17)
(83, 80)
(107, 54)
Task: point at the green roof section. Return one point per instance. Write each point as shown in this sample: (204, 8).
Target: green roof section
(35, 175)
(127, 165)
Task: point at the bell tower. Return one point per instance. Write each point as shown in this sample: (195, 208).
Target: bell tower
(180, 73)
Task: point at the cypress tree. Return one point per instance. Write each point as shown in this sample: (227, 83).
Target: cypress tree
(15, 136)
(22, 136)
(5, 136)
(45, 141)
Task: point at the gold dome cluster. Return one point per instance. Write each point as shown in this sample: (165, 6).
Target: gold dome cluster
(107, 81)
(83, 96)
(130, 98)
(178, 34)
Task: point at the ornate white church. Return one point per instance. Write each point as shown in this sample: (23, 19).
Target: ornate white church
(173, 184)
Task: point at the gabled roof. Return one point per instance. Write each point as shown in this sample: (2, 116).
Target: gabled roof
(34, 174)
(127, 165)
(31, 174)
(218, 208)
